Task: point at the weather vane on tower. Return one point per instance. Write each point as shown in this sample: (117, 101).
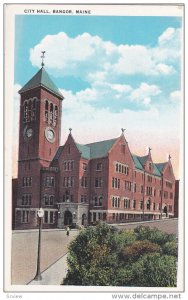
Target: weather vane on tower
(42, 64)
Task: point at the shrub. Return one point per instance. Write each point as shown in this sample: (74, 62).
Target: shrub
(138, 248)
(153, 235)
(170, 248)
(154, 270)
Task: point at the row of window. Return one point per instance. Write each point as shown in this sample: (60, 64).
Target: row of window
(127, 203)
(26, 199)
(27, 181)
(121, 168)
(49, 217)
(29, 110)
(68, 181)
(68, 165)
(51, 113)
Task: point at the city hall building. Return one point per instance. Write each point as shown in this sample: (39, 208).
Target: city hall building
(78, 184)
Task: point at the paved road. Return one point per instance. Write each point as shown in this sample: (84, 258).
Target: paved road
(24, 252)
(169, 226)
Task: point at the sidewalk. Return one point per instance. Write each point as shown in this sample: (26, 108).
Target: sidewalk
(54, 274)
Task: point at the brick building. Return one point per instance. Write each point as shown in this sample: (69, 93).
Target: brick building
(78, 184)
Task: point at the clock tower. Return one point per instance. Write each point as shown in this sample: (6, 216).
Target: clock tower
(39, 139)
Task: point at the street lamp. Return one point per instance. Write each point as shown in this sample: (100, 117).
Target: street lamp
(40, 214)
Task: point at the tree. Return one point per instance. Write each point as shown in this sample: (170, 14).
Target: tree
(154, 270)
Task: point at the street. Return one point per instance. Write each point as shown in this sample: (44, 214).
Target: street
(24, 252)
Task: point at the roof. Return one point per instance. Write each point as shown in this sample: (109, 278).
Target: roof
(84, 150)
(58, 153)
(137, 162)
(95, 150)
(161, 166)
(41, 79)
(100, 149)
(142, 159)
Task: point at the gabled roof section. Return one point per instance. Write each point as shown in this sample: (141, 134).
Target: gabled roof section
(156, 171)
(142, 159)
(58, 153)
(84, 150)
(137, 162)
(161, 166)
(41, 79)
(100, 149)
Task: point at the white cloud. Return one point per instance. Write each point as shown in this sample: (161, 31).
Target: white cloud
(175, 96)
(94, 59)
(144, 93)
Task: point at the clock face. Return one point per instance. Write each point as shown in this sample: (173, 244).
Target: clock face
(28, 132)
(50, 134)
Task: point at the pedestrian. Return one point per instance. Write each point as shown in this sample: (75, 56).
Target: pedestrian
(68, 230)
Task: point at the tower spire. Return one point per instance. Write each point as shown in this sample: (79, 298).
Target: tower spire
(42, 56)
(122, 129)
(149, 149)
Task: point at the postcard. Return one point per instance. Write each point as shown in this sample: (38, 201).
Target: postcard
(94, 148)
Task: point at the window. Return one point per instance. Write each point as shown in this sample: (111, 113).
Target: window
(84, 182)
(134, 204)
(84, 166)
(26, 199)
(165, 194)
(27, 181)
(55, 115)
(24, 216)
(115, 183)
(29, 113)
(99, 167)
(98, 201)
(98, 182)
(122, 168)
(46, 111)
(49, 200)
(48, 217)
(135, 187)
(127, 203)
(49, 181)
(141, 204)
(149, 191)
(171, 195)
(127, 185)
(169, 184)
(116, 201)
(68, 165)
(149, 178)
(141, 188)
(68, 181)
(148, 204)
(150, 166)
(83, 198)
(154, 206)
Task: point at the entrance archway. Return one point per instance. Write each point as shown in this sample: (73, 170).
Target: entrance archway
(165, 210)
(67, 218)
(84, 219)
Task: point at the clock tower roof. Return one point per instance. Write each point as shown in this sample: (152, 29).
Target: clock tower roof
(41, 79)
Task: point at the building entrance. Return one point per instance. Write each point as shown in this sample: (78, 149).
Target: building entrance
(67, 218)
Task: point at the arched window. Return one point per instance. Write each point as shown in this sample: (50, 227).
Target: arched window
(25, 111)
(51, 113)
(100, 200)
(29, 110)
(46, 111)
(148, 204)
(33, 111)
(55, 115)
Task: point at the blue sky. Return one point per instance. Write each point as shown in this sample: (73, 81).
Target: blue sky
(113, 71)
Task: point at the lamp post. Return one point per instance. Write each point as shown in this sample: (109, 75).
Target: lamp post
(40, 214)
